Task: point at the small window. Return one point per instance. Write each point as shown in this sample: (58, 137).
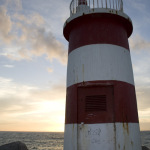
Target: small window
(95, 103)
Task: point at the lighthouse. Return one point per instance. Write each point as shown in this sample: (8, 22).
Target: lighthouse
(101, 107)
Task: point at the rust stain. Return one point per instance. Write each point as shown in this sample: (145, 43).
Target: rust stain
(115, 136)
(132, 143)
(124, 148)
(125, 122)
(119, 146)
(126, 126)
(83, 83)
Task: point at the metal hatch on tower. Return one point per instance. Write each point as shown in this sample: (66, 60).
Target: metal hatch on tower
(95, 104)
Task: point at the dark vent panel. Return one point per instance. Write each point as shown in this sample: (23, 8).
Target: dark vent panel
(95, 103)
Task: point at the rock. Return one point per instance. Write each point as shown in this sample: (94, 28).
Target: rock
(145, 148)
(14, 146)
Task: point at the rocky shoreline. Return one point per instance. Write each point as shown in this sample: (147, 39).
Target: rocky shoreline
(14, 146)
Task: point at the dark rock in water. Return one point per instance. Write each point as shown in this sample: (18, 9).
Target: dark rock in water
(14, 146)
(145, 148)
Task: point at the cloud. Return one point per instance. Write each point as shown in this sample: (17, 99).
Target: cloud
(50, 70)
(8, 66)
(10, 89)
(139, 43)
(56, 92)
(28, 37)
(15, 5)
(143, 96)
(141, 69)
(6, 26)
(29, 19)
(142, 79)
(25, 104)
(14, 98)
(138, 5)
(144, 119)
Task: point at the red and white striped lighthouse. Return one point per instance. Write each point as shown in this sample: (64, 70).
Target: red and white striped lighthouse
(101, 108)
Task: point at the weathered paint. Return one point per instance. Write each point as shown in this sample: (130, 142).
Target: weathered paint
(70, 136)
(98, 28)
(101, 62)
(99, 66)
(103, 136)
(115, 33)
(128, 136)
(125, 106)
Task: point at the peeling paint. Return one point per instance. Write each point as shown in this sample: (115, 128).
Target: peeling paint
(105, 62)
(84, 64)
(101, 137)
(115, 142)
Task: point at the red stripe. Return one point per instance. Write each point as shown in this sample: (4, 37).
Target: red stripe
(121, 108)
(98, 29)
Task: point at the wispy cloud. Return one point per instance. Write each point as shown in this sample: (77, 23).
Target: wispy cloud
(142, 79)
(144, 118)
(26, 103)
(8, 66)
(139, 43)
(6, 26)
(29, 34)
(15, 5)
(50, 70)
(143, 96)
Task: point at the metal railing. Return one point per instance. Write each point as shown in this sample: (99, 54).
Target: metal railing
(93, 4)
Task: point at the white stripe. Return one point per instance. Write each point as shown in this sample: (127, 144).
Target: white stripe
(102, 136)
(99, 62)
(70, 137)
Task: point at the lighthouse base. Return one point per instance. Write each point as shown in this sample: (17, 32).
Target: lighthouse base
(106, 136)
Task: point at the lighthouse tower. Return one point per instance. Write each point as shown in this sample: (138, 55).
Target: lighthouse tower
(101, 108)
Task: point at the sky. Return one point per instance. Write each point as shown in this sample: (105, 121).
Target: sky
(33, 63)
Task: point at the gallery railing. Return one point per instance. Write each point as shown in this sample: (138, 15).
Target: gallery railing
(93, 4)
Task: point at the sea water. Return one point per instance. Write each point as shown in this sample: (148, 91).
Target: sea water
(35, 140)
(48, 140)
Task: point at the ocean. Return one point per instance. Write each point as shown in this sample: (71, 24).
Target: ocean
(49, 140)
(35, 140)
